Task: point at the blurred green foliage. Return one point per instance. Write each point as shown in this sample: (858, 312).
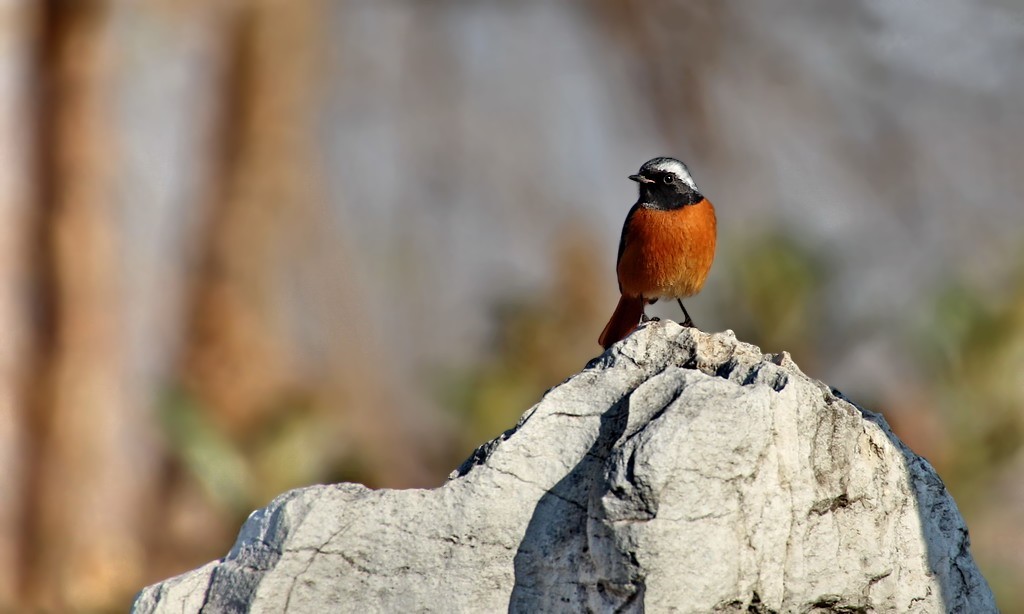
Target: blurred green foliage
(972, 351)
(244, 471)
(539, 339)
(772, 294)
(527, 358)
(206, 452)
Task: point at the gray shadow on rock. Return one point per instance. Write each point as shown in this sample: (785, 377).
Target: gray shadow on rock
(554, 558)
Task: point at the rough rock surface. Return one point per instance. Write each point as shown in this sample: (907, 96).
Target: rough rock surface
(679, 471)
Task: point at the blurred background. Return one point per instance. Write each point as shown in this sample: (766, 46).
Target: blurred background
(250, 245)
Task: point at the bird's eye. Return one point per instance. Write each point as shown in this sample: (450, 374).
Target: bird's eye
(667, 179)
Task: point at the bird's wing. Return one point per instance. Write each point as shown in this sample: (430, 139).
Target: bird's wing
(622, 239)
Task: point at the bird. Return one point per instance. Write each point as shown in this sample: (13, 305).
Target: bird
(666, 248)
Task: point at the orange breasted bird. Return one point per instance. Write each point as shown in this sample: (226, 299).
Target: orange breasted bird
(666, 248)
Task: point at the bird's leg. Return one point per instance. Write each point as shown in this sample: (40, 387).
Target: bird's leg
(688, 322)
(644, 317)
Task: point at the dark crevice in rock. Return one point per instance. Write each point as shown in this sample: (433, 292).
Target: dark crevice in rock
(726, 369)
(296, 579)
(776, 381)
(482, 453)
(756, 607)
(765, 371)
(832, 504)
(836, 605)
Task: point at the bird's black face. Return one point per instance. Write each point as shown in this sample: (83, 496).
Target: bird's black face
(665, 183)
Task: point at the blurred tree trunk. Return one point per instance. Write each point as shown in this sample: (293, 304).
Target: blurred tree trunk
(17, 19)
(271, 231)
(94, 460)
(236, 354)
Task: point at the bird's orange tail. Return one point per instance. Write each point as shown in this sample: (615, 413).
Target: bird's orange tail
(624, 320)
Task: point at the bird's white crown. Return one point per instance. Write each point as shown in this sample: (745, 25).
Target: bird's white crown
(669, 165)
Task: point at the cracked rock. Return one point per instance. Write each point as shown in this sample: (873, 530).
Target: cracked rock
(678, 471)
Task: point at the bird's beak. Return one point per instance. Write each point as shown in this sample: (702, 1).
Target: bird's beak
(641, 179)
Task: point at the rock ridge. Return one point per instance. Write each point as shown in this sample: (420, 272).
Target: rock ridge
(679, 470)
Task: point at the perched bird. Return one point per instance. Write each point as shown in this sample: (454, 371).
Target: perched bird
(666, 248)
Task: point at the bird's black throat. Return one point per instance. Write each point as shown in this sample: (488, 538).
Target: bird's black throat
(668, 197)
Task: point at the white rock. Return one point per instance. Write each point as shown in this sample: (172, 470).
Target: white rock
(679, 471)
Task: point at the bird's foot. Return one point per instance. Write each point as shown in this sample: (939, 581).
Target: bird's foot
(688, 323)
(646, 318)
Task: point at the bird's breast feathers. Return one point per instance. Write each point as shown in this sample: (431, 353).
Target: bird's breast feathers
(667, 254)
